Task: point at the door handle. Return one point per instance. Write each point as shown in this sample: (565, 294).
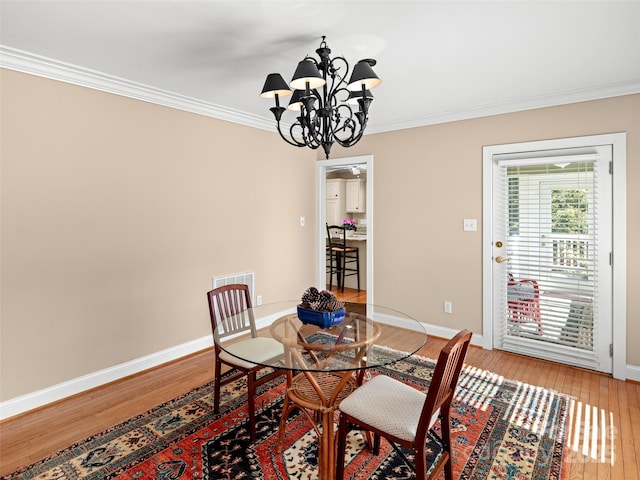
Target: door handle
(500, 259)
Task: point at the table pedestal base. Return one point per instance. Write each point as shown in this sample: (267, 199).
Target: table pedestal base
(318, 393)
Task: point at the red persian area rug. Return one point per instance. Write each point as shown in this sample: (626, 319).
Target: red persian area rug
(501, 430)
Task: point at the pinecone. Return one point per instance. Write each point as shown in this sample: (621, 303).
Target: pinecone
(335, 305)
(324, 299)
(309, 296)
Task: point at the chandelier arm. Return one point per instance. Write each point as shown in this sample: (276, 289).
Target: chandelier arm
(306, 141)
(294, 143)
(354, 138)
(332, 90)
(335, 75)
(315, 136)
(350, 141)
(346, 122)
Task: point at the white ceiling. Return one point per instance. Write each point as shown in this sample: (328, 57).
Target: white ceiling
(438, 61)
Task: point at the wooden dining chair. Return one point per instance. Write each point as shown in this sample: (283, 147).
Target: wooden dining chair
(404, 415)
(231, 314)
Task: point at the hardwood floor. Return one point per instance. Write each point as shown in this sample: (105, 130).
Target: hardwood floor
(605, 446)
(349, 294)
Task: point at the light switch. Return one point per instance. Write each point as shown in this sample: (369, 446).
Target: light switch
(470, 225)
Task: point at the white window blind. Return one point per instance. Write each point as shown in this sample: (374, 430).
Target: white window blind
(551, 226)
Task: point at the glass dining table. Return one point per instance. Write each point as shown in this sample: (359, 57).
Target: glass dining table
(326, 364)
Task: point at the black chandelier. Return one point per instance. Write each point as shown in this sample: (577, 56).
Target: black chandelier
(324, 116)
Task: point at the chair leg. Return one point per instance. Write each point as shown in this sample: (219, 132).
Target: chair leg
(330, 270)
(339, 271)
(445, 426)
(376, 444)
(217, 385)
(343, 429)
(343, 269)
(251, 393)
(358, 267)
(420, 461)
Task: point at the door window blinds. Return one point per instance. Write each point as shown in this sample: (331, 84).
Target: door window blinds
(551, 225)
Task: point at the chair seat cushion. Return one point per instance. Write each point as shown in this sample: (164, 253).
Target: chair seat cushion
(387, 405)
(259, 349)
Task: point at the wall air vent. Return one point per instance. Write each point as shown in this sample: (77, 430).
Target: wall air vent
(247, 278)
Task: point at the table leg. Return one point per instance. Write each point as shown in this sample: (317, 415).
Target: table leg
(327, 449)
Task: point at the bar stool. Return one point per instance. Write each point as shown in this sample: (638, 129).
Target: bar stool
(342, 258)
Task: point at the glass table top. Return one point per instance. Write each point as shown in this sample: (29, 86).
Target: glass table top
(367, 336)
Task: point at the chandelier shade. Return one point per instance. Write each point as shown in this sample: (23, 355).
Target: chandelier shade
(363, 76)
(295, 104)
(328, 109)
(306, 76)
(275, 85)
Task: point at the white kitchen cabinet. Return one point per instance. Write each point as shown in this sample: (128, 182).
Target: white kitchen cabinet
(336, 198)
(335, 187)
(356, 191)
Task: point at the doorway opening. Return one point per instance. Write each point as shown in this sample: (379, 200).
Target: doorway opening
(345, 195)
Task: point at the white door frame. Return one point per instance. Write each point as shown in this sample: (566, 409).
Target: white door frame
(619, 241)
(321, 207)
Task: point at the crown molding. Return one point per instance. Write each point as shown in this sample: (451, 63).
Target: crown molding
(27, 62)
(33, 64)
(573, 96)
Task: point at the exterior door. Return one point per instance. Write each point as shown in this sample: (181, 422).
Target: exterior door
(551, 247)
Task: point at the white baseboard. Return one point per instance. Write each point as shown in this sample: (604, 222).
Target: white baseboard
(448, 333)
(434, 330)
(62, 390)
(633, 373)
(36, 399)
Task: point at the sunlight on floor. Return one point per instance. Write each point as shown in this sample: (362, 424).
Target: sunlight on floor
(591, 433)
(481, 386)
(526, 407)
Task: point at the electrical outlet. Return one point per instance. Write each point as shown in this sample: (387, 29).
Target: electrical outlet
(448, 307)
(258, 299)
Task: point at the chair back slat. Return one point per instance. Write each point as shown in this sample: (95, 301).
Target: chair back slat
(445, 379)
(337, 236)
(230, 310)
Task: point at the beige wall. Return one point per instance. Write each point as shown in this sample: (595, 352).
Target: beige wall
(117, 213)
(422, 256)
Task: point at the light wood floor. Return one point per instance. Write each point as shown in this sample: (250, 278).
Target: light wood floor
(610, 450)
(349, 294)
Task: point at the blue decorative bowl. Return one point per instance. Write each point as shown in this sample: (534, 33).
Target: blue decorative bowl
(319, 318)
